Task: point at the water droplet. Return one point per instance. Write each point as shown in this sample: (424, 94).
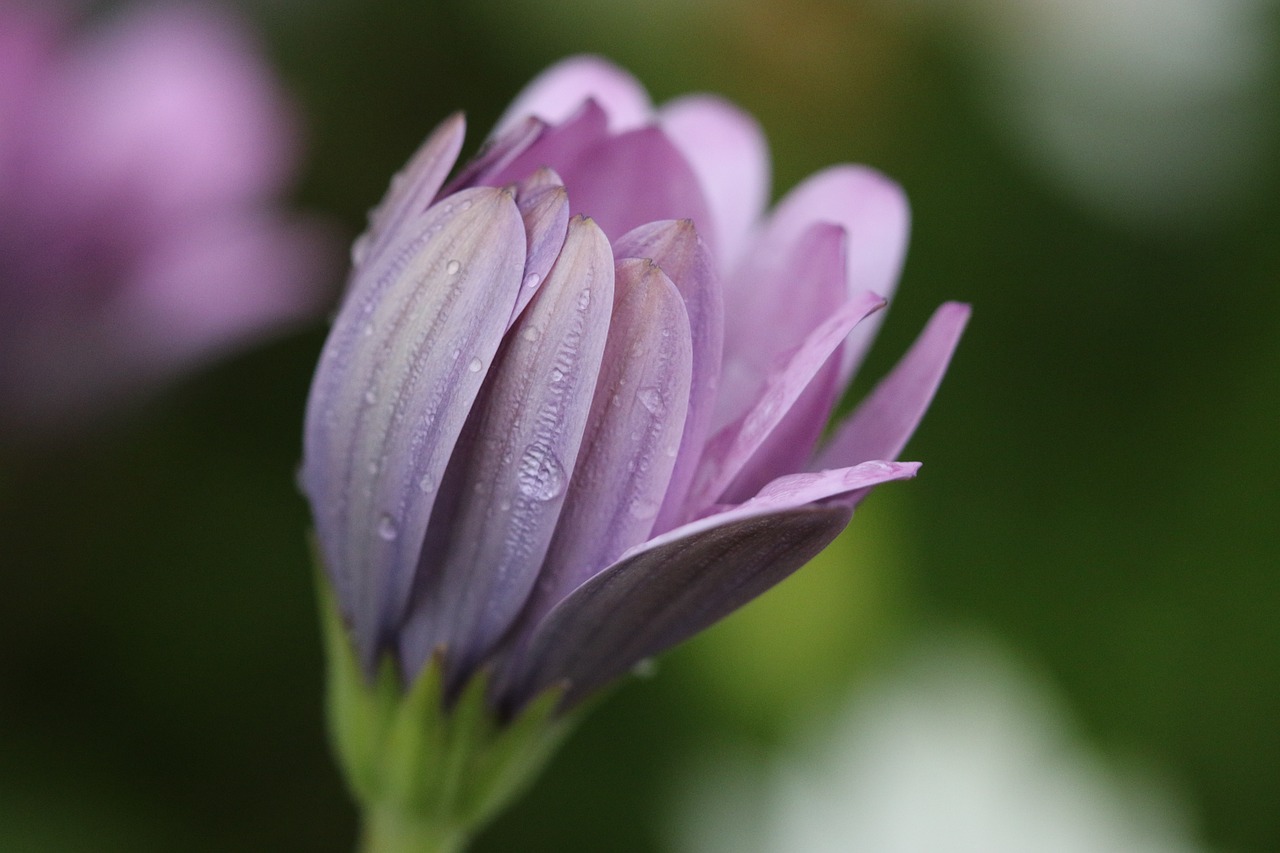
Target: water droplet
(532, 280)
(373, 469)
(556, 374)
(476, 365)
(453, 267)
(541, 475)
(505, 506)
(466, 204)
(387, 530)
(456, 354)
(584, 298)
(427, 484)
(642, 508)
(531, 333)
(370, 397)
(651, 399)
(368, 330)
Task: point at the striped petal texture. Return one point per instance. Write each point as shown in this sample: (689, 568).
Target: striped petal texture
(570, 411)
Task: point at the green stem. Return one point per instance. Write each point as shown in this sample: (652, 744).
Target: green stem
(387, 831)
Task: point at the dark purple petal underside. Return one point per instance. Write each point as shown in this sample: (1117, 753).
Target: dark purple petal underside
(674, 586)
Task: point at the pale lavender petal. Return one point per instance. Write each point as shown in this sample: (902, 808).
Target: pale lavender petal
(629, 450)
(668, 589)
(729, 154)
(544, 205)
(676, 248)
(413, 188)
(881, 425)
(402, 365)
(558, 92)
(506, 485)
(730, 449)
(632, 179)
(873, 211)
(792, 292)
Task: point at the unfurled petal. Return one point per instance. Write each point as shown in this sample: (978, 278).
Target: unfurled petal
(678, 584)
(819, 266)
(544, 205)
(729, 451)
(676, 248)
(873, 211)
(632, 179)
(637, 419)
(402, 365)
(505, 486)
(560, 90)
(730, 156)
(550, 147)
(772, 307)
(881, 425)
(413, 188)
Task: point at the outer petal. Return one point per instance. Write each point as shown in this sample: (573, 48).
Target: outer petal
(873, 211)
(392, 392)
(558, 92)
(729, 450)
(885, 420)
(729, 154)
(413, 188)
(506, 485)
(544, 205)
(552, 147)
(676, 248)
(629, 450)
(678, 584)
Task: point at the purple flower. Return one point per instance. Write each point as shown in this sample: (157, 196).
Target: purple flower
(138, 235)
(567, 414)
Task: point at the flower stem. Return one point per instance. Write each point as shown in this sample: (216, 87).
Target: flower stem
(386, 831)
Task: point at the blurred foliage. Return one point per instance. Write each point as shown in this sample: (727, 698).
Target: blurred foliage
(1100, 484)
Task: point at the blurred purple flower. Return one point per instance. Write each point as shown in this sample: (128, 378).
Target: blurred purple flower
(553, 445)
(138, 236)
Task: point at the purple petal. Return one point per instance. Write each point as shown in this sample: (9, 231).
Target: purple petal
(730, 449)
(544, 205)
(730, 156)
(881, 425)
(873, 211)
(678, 584)
(506, 485)
(497, 153)
(413, 188)
(637, 419)
(392, 391)
(558, 92)
(677, 250)
(552, 148)
(792, 292)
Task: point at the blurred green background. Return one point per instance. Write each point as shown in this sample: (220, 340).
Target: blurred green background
(1101, 478)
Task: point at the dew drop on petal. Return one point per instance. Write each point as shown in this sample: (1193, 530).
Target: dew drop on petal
(642, 508)
(476, 365)
(651, 399)
(427, 484)
(532, 280)
(531, 333)
(387, 530)
(370, 397)
(453, 267)
(541, 475)
(584, 298)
